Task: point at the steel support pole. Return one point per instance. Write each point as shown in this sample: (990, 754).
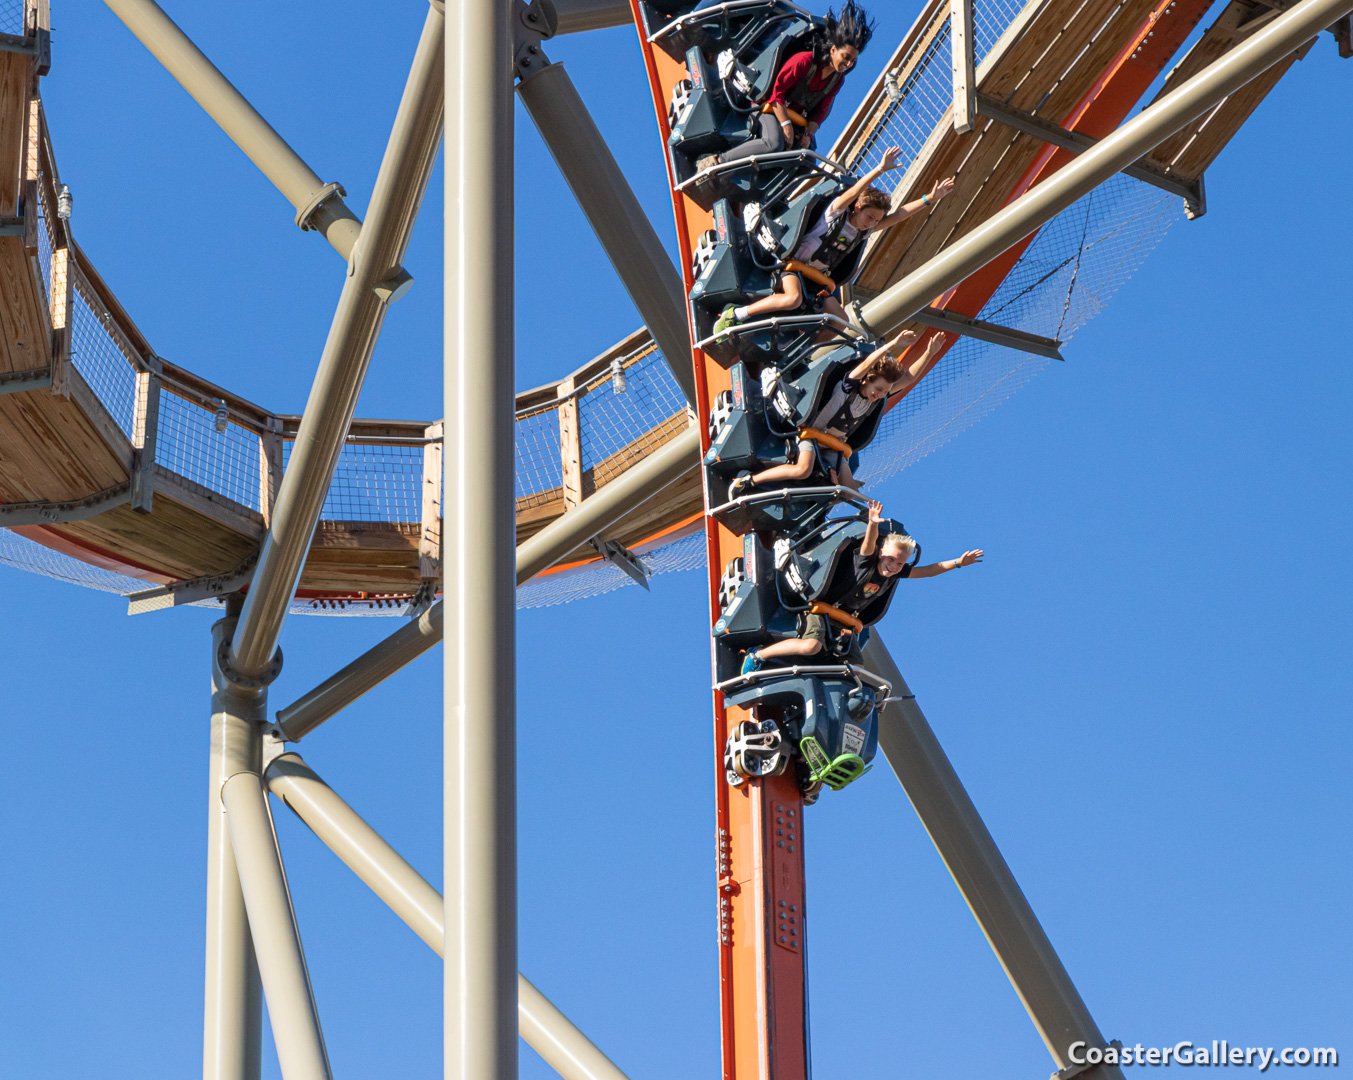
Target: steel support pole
(232, 1018)
(576, 16)
(409, 895)
(979, 870)
(595, 514)
(318, 205)
(272, 923)
(615, 215)
(375, 260)
(1287, 33)
(479, 742)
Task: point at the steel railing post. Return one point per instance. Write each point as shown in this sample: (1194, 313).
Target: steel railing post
(980, 871)
(479, 742)
(232, 1021)
(1136, 138)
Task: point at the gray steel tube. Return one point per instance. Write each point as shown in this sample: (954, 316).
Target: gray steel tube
(232, 1015)
(239, 120)
(399, 189)
(370, 669)
(1134, 139)
(479, 832)
(599, 511)
(409, 895)
(614, 213)
(979, 870)
(272, 922)
(575, 16)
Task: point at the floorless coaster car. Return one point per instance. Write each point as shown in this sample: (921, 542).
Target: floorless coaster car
(763, 592)
(748, 433)
(738, 259)
(823, 717)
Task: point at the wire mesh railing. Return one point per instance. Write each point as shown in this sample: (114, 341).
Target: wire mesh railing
(574, 436)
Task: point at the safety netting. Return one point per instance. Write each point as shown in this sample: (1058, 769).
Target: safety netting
(627, 403)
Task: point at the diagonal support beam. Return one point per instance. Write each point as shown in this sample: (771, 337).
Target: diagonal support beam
(980, 872)
(319, 206)
(594, 515)
(272, 924)
(1287, 33)
(370, 284)
(409, 895)
(614, 213)
(1074, 142)
(954, 323)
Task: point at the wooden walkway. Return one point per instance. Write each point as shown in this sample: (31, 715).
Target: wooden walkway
(125, 461)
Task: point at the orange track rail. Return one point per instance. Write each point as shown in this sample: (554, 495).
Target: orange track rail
(759, 838)
(763, 984)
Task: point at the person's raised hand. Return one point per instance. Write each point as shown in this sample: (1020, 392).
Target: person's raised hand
(970, 557)
(890, 157)
(941, 189)
(875, 512)
(907, 338)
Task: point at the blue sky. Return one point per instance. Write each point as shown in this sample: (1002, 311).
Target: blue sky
(1145, 687)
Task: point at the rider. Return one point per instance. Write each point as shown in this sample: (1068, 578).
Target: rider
(875, 569)
(806, 83)
(845, 225)
(851, 400)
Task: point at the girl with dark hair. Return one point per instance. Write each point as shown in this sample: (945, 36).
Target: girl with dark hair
(805, 86)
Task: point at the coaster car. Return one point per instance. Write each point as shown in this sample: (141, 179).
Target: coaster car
(827, 713)
(737, 261)
(816, 566)
(748, 433)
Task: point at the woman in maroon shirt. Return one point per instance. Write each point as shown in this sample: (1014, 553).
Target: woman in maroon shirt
(807, 83)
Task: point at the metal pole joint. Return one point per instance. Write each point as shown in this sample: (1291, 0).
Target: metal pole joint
(531, 24)
(306, 213)
(235, 677)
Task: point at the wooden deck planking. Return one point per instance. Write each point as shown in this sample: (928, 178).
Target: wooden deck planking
(50, 451)
(175, 538)
(1189, 152)
(25, 333)
(16, 77)
(1060, 53)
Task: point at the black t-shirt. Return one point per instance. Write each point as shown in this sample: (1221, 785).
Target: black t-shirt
(843, 409)
(870, 584)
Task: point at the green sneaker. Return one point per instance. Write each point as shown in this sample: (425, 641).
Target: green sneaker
(727, 318)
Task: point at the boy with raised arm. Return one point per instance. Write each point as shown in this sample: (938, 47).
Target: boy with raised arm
(876, 568)
(847, 222)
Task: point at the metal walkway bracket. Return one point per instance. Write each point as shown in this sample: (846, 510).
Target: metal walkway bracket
(215, 587)
(615, 552)
(954, 323)
(1073, 142)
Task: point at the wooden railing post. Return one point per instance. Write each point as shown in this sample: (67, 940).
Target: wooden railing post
(269, 468)
(145, 431)
(570, 444)
(430, 537)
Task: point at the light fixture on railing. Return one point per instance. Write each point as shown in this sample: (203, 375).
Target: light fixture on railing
(618, 381)
(222, 416)
(891, 88)
(65, 202)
